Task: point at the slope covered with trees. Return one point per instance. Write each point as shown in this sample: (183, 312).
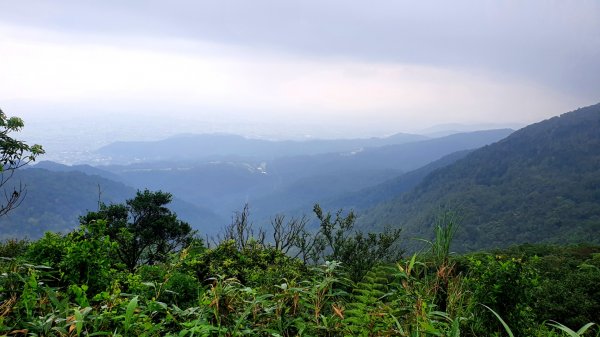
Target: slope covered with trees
(541, 184)
(55, 200)
(389, 189)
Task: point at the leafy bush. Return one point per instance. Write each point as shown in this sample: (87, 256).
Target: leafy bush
(13, 247)
(164, 284)
(85, 256)
(49, 250)
(255, 265)
(504, 284)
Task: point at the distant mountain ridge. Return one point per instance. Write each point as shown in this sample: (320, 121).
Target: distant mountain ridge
(540, 184)
(194, 146)
(442, 130)
(87, 169)
(402, 157)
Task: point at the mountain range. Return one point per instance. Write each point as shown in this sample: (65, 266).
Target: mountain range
(281, 184)
(202, 146)
(208, 191)
(538, 184)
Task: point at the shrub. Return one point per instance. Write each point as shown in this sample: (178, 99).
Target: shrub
(504, 284)
(12, 248)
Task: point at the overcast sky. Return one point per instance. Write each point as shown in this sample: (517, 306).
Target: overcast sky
(344, 65)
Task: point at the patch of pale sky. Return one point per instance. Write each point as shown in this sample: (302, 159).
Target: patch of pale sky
(47, 66)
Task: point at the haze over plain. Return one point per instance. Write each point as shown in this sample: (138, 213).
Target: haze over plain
(85, 74)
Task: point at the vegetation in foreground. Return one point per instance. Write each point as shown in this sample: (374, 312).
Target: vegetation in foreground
(136, 270)
(342, 282)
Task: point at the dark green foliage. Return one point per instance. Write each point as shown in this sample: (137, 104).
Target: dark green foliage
(13, 247)
(146, 231)
(167, 285)
(254, 264)
(570, 298)
(168, 300)
(89, 257)
(504, 284)
(533, 283)
(85, 256)
(14, 154)
(49, 250)
(568, 288)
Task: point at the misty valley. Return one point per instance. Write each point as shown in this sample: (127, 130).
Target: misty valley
(474, 233)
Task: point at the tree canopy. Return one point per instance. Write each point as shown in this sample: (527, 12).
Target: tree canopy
(14, 153)
(145, 229)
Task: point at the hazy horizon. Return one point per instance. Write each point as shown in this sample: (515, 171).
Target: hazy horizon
(84, 74)
(73, 143)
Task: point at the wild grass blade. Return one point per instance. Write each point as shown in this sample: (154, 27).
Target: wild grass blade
(569, 331)
(506, 327)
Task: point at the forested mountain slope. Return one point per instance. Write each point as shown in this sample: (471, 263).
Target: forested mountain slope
(389, 189)
(87, 169)
(336, 191)
(55, 200)
(540, 184)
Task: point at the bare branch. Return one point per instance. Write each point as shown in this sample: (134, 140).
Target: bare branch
(285, 234)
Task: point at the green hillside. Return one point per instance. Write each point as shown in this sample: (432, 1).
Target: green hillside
(55, 200)
(389, 189)
(541, 184)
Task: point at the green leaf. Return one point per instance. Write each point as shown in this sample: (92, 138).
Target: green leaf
(149, 284)
(570, 332)
(129, 312)
(78, 321)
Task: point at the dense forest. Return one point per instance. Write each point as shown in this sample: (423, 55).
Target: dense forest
(540, 184)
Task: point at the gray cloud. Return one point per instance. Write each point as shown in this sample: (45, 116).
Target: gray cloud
(550, 42)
